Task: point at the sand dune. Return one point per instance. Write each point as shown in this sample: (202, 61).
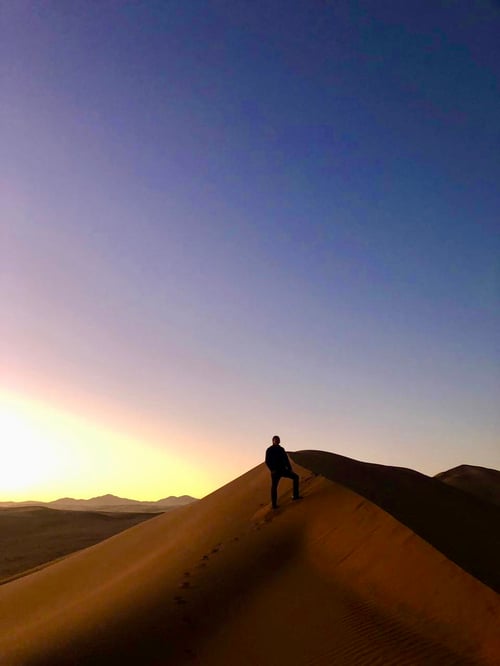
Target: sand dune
(31, 536)
(480, 481)
(333, 579)
(461, 526)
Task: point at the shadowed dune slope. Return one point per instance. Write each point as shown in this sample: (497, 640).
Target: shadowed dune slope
(332, 579)
(31, 536)
(461, 526)
(480, 481)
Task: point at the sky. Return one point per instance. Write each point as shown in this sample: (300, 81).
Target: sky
(225, 220)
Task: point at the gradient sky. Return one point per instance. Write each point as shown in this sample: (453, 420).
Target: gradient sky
(223, 220)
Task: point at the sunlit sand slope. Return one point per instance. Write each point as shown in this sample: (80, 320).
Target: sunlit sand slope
(332, 579)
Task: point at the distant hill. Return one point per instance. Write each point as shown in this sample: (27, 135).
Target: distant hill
(108, 503)
(479, 481)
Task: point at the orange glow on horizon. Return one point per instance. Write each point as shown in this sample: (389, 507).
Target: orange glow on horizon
(50, 453)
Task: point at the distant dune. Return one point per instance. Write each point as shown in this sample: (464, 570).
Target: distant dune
(108, 503)
(332, 579)
(479, 481)
(33, 535)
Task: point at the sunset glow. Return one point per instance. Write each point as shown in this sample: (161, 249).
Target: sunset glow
(30, 457)
(221, 223)
(51, 454)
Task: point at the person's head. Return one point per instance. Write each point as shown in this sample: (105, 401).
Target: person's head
(276, 439)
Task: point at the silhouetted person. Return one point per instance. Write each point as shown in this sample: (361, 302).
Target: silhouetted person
(279, 464)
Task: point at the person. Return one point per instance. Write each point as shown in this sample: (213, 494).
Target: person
(279, 466)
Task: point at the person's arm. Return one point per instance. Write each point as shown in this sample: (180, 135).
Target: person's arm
(286, 462)
(269, 461)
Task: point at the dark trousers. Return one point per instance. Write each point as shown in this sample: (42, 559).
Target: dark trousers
(275, 479)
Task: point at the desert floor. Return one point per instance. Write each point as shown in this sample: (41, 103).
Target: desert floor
(32, 536)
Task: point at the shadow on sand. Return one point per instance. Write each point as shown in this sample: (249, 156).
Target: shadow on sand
(461, 526)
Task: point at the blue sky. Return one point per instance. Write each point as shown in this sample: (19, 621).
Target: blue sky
(230, 219)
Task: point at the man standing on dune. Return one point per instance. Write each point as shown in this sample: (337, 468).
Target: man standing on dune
(279, 465)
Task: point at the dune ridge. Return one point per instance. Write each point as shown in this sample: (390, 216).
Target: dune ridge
(331, 579)
(462, 526)
(480, 481)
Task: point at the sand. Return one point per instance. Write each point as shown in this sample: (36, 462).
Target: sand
(482, 482)
(462, 526)
(332, 579)
(32, 536)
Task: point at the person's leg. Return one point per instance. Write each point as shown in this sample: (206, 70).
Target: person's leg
(295, 479)
(275, 478)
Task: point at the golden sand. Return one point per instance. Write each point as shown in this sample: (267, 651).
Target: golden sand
(332, 579)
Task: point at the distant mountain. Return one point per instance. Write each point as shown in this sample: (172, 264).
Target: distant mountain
(173, 501)
(92, 503)
(109, 503)
(479, 481)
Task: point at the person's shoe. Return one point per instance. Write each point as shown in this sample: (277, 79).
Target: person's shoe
(298, 497)
(275, 506)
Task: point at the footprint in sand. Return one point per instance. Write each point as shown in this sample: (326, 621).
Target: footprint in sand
(179, 600)
(187, 584)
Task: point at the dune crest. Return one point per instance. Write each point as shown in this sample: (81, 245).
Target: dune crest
(331, 579)
(482, 482)
(460, 525)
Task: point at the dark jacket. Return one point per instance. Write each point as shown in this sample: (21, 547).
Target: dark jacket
(277, 459)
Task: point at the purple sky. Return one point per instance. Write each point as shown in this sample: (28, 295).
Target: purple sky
(226, 220)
